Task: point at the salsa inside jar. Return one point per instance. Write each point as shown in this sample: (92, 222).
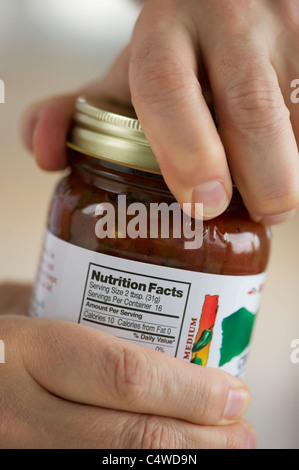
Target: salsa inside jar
(232, 243)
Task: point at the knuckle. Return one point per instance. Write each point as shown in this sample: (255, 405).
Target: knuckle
(155, 433)
(129, 373)
(236, 437)
(256, 105)
(206, 396)
(157, 78)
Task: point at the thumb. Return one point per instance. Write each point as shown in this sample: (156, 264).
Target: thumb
(45, 125)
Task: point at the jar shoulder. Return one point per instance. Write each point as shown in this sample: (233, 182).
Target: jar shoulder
(232, 244)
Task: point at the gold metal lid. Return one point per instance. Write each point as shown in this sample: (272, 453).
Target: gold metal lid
(110, 131)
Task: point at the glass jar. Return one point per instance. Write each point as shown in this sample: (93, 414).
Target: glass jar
(104, 265)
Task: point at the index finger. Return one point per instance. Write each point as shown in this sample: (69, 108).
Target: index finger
(170, 105)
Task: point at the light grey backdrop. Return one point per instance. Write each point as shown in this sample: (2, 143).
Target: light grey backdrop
(53, 46)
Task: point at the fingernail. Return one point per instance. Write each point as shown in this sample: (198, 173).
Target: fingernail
(213, 196)
(237, 403)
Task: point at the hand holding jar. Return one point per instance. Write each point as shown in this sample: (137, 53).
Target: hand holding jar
(243, 54)
(69, 386)
(180, 54)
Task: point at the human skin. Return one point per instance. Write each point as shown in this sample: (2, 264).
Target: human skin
(64, 385)
(245, 55)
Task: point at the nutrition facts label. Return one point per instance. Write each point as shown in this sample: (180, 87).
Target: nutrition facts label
(137, 307)
(202, 318)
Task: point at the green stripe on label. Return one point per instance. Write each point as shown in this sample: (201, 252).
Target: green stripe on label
(236, 333)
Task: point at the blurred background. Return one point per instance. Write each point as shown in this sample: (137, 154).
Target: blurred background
(49, 47)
